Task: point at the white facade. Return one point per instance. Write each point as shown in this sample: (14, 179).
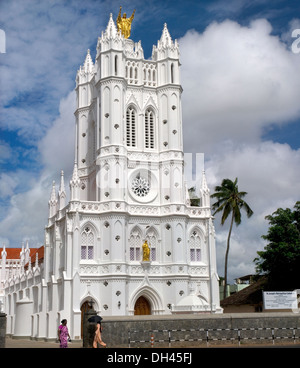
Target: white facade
(127, 186)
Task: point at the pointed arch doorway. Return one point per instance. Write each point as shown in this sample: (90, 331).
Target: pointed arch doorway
(86, 306)
(142, 307)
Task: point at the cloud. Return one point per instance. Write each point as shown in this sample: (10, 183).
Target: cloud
(46, 42)
(237, 82)
(27, 215)
(27, 212)
(57, 146)
(5, 152)
(269, 173)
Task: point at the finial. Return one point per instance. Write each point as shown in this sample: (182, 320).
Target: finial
(36, 260)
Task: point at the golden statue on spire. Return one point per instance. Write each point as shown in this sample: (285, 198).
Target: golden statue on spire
(124, 24)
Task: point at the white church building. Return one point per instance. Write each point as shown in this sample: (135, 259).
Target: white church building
(128, 186)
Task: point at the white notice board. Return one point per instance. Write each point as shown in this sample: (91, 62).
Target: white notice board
(280, 299)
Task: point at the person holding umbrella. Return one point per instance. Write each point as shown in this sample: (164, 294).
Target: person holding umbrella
(97, 337)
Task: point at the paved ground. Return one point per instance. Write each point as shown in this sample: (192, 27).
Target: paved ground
(24, 343)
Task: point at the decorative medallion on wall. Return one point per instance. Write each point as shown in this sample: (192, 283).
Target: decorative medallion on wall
(143, 185)
(140, 186)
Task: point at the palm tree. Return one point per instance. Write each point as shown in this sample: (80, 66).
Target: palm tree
(229, 201)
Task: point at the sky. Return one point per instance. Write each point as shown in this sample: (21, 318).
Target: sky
(240, 73)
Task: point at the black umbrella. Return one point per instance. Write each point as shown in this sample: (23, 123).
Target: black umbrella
(95, 319)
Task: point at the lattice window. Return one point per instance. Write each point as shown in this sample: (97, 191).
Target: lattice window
(153, 254)
(152, 240)
(131, 253)
(149, 129)
(131, 127)
(87, 244)
(135, 244)
(195, 247)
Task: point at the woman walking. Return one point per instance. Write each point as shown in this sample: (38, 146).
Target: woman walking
(97, 338)
(63, 334)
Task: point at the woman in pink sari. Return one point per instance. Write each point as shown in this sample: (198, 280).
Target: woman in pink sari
(63, 334)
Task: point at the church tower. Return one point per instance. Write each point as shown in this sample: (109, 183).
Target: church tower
(128, 184)
(128, 241)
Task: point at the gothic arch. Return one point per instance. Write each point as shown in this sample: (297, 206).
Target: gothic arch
(87, 298)
(131, 126)
(172, 73)
(92, 225)
(150, 127)
(89, 236)
(198, 229)
(152, 236)
(135, 241)
(153, 297)
(136, 228)
(195, 244)
(154, 230)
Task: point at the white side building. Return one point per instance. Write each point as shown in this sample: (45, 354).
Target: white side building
(127, 186)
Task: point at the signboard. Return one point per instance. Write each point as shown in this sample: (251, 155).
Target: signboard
(280, 299)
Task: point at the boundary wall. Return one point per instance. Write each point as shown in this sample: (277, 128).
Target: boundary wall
(191, 330)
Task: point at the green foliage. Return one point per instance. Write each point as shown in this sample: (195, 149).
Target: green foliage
(229, 202)
(280, 260)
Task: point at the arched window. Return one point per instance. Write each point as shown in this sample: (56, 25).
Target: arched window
(116, 65)
(135, 244)
(87, 243)
(195, 246)
(131, 127)
(152, 239)
(149, 129)
(172, 73)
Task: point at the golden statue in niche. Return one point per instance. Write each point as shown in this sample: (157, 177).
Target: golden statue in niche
(146, 252)
(124, 23)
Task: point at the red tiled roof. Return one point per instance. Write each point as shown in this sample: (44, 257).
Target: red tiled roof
(39, 251)
(12, 253)
(33, 252)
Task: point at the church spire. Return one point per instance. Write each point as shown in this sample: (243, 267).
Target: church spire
(62, 192)
(205, 191)
(75, 184)
(166, 39)
(88, 65)
(53, 201)
(111, 29)
(166, 47)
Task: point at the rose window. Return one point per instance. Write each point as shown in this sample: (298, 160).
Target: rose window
(140, 186)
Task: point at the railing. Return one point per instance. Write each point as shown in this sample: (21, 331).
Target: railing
(207, 336)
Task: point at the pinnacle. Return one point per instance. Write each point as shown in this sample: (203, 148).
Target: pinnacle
(88, 65)
(166, 39)
(62, 183)
(53, 192)
(111, 29)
